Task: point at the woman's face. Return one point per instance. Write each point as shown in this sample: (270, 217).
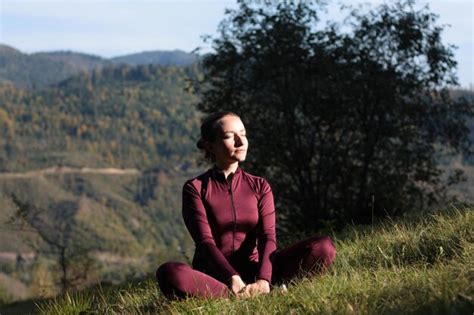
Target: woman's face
(231, 142)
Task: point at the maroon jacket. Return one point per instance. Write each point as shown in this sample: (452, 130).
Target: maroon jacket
(230, 222)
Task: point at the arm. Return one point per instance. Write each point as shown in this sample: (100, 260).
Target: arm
(266, 243)
(195, 218)
(266, 232)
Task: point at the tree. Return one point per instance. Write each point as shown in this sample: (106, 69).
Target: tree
(57, 239)
(337, 118)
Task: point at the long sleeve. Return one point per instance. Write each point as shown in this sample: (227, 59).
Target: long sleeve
(195, 218)
(266, 232)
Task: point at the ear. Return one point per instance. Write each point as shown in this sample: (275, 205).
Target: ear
(209, 146)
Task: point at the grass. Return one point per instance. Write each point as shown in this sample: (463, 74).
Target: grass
(420, 265)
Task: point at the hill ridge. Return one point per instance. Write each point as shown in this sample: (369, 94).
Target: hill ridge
(71, 170)
(45, 68)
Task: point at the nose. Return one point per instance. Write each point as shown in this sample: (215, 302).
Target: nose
(238, 141)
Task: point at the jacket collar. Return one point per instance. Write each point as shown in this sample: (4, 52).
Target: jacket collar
(216, 173)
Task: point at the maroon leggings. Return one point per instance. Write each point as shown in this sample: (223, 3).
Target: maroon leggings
(311, 256)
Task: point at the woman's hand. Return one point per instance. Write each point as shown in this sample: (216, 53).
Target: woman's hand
(237, 285)
(259, 287)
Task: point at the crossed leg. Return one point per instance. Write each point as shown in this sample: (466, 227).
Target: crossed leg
(310, 256)
(180, 280)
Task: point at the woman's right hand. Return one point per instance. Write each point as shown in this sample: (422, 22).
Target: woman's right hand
(237, 284)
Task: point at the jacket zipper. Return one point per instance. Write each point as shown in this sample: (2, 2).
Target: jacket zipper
(234, 215)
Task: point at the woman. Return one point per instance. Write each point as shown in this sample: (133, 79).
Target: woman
(231, 217)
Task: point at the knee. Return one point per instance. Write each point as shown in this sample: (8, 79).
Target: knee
(323, 248)
(170, 276)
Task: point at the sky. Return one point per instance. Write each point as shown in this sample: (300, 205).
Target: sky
(110, 28)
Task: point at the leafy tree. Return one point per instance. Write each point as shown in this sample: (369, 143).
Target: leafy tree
(338, 118)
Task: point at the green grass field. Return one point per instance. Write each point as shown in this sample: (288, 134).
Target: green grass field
(416, 265)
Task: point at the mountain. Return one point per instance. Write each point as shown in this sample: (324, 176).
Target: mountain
(8, 50)
(171, 58)
(31, 71)
(43, 69)
(101, 157)
(118, 116)
(77, 61)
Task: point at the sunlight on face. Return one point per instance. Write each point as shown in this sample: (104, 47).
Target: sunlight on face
(231, 142)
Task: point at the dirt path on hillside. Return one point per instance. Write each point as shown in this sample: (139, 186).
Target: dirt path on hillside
(71, 170)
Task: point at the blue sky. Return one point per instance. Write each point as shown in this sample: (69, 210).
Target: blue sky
(116, 27)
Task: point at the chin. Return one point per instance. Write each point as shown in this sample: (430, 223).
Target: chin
(239, 159)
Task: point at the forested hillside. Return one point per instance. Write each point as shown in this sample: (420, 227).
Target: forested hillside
(168, 58)
(139, 124)
(40, 70)
(32, 71)
(116, 117)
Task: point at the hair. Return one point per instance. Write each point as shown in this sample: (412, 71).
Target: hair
(209, 131)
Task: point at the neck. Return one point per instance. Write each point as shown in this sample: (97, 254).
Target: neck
(227, 169)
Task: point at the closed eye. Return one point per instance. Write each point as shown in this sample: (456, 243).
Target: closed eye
(228, 136)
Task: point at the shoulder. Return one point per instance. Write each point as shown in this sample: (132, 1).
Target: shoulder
(258, 183)
(195, 184)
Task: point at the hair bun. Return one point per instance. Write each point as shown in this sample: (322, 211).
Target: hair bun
(200, 143)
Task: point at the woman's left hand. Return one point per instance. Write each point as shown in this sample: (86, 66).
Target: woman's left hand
(259, 287)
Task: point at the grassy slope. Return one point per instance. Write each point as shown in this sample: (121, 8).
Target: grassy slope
(417, 265)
